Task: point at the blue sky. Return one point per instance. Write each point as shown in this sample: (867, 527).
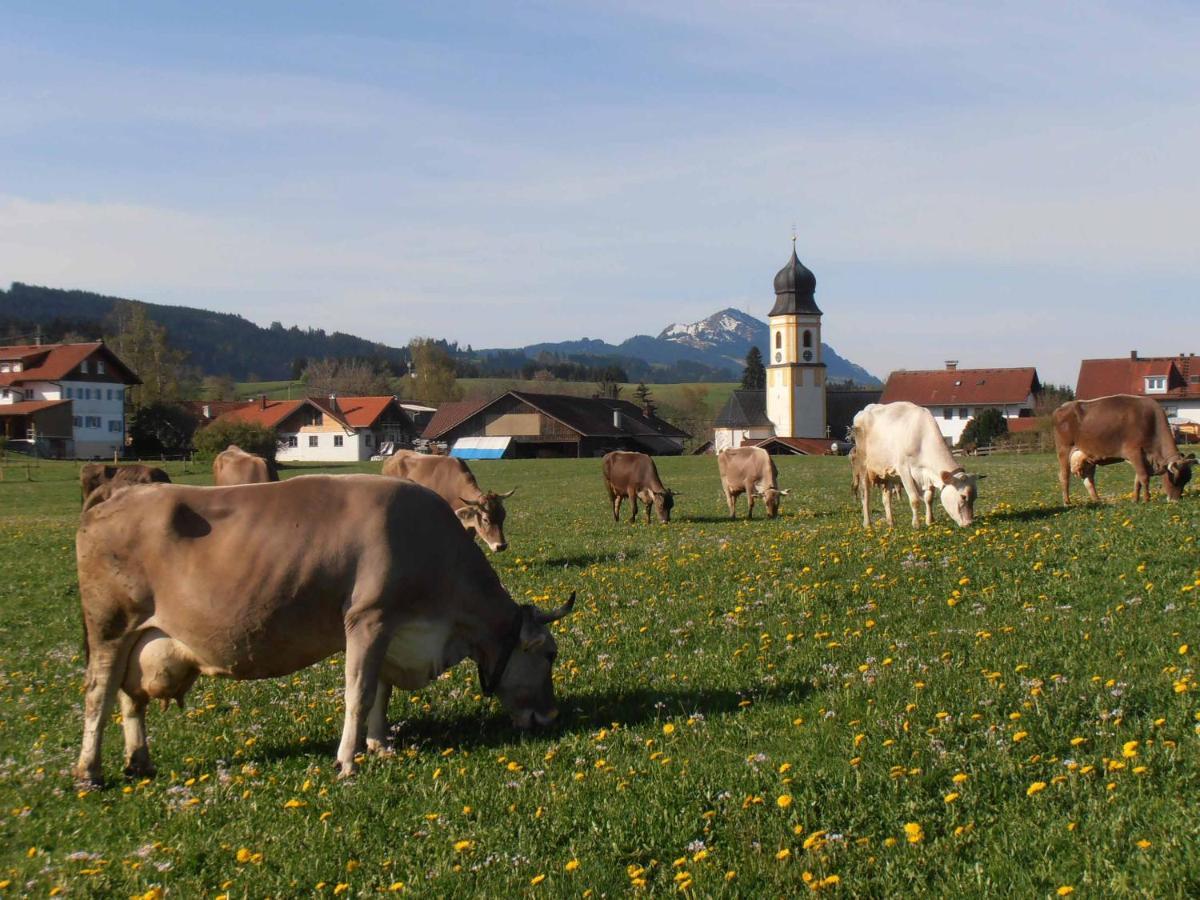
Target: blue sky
(1005, 184)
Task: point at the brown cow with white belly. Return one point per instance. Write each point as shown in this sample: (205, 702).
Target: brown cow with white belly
(481, 512)
(749, 471)
(633, 476)
(233, 465)
(1090, 433)
(98, 481)
(259, 581)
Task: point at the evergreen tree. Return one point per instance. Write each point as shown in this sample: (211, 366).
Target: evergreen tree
(983, 430)
(644, 398)
(754, 376)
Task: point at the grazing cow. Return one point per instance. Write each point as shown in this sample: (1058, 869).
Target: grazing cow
(900, 442)
(233, 465)
(98, 481)
(634, 476)
(1090, 433)
(480, 512)
(749, 471)
(259, 581)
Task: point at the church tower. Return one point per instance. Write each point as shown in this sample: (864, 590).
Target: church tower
(795, 371)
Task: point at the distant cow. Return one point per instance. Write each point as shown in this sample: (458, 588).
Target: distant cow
(98, 481)
(261, 581)
(481, 512)
(633, 476)
(901, 442)
(233, 465)
(1090, 433)
(749, 471)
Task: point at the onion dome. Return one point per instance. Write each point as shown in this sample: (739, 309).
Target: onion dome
(795, 286)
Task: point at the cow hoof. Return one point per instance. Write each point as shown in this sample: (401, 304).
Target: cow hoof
(346, 769)
(380, 748)
(139, 769)
(88, 778)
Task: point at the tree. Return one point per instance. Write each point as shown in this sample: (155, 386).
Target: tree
(608, 382)
(143, 346)
(983, 430)
(215, 437)
(433, 377)
(691, 412)
(160, 428)
(754, 375)
(644, 398)
(345, 377)
(218, 387)
(1051, 397)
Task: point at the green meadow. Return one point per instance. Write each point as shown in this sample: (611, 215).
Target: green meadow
(761, 708)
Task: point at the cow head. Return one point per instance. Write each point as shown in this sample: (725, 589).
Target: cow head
(958, 495)
(664, 502)
(771, 496)
(485, 517)
(1177, 474)
(521, 679)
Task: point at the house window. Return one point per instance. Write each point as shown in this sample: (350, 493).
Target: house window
(28, 393)
(99, 367)
(964, 413)
(77, 421)
(808, 339)
(67, 394)
(312, 440)
(337, 440)
(1156, 384)
(121, 394)
(114, 425)
(110, 393)
(293, 441)
(92, 422)
(83, 367)
(367, 440)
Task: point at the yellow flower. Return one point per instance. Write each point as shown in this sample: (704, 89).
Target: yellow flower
(783, 854)
(1076, 741)
(243, 855)
(294, 804)
(783, 801)
(572, 865)
(1036, 788)
(461, 846)
(959, 778)
(537, 879)
(1130, 749)
(396, 886)
(914, 833)
(1020, 736)
(1183, 649)
(951, 797)
(1065, 890)
(1144, 844)
(669, 728)
(730, 875)
(340, 888)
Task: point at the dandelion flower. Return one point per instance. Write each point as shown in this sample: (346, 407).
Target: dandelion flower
(571, 865)
(959, 777)
(537, 879)
(1065, 891)
(1036, 788)
(669, 728)
(783, 854)
(951, 797)
(783, 801)
(243, 855)
(914, 833)
(1130, 749)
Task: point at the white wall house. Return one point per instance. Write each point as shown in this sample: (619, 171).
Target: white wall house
(337, 429)
(87, 375)
(955, 396)
(1174, 381)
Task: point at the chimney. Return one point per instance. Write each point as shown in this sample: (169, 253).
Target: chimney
(616, 419)
(333, 404)
(951, 365)
(262, 401)
(1133, 355)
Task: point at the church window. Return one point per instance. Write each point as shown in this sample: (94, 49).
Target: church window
(778, 339)
(808, 339)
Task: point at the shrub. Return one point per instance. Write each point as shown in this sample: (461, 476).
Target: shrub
(212, 439)
(983, 430)
(159, 428)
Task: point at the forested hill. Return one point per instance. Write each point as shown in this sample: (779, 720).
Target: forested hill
(216, 342)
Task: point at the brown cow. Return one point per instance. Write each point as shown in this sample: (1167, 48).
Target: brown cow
(634, 476)
(480, 512)
(259, 581)
(233, 465)
(749, 471)
(98, 481)
(1090, 433)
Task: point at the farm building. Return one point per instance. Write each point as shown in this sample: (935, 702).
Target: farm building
(1174, 381)
(339, 429)
(744, 421)
(955, 395)
(64, 400)
(522, 425)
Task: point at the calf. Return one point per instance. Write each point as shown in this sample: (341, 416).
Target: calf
(1090, 433)
(749, 471)
(481, 512)
(900, 442)
(633, 476)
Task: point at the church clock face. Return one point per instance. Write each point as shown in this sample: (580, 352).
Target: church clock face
(808, 356)
(778, 356)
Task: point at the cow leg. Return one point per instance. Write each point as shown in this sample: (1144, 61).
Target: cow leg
(1089, 481)
(366, 644)
(1141, 479)
(731, 501)
(649, 509)
(633, 500)
(887, 505)
(137, 750)
(617, 500)
(106, 667)
(377, 727)
(749, 502)
(864, 488)
(1064, 474)
(914, 497)
(928, 498)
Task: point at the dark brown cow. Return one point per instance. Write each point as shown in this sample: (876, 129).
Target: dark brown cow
(98, 481)
(481, 512)
(1090, 433)
(749, 471)
(259, 581)
(633, 476)
(233, 465)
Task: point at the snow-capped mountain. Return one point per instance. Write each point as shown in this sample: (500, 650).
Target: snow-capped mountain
(729, 326)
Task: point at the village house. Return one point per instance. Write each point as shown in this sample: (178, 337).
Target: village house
(337, 429)
(1174, 381)
(64, 400)
(523, 425)
(955, 396)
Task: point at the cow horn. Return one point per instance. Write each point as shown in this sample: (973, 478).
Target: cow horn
(785, 493)
(465, 502)
(507, 494)
(544, 617)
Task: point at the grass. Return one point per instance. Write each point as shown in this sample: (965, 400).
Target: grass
(748, 707)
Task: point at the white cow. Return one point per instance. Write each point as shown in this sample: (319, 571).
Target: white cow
(901, 443)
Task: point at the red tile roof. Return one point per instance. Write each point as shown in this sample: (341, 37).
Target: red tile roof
(53, 362)
(1105, 377)
(961, 387)
(267, 413)
(352, 412)
(450, 414)
(27, 407)
(803, 446)
(363, 412)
